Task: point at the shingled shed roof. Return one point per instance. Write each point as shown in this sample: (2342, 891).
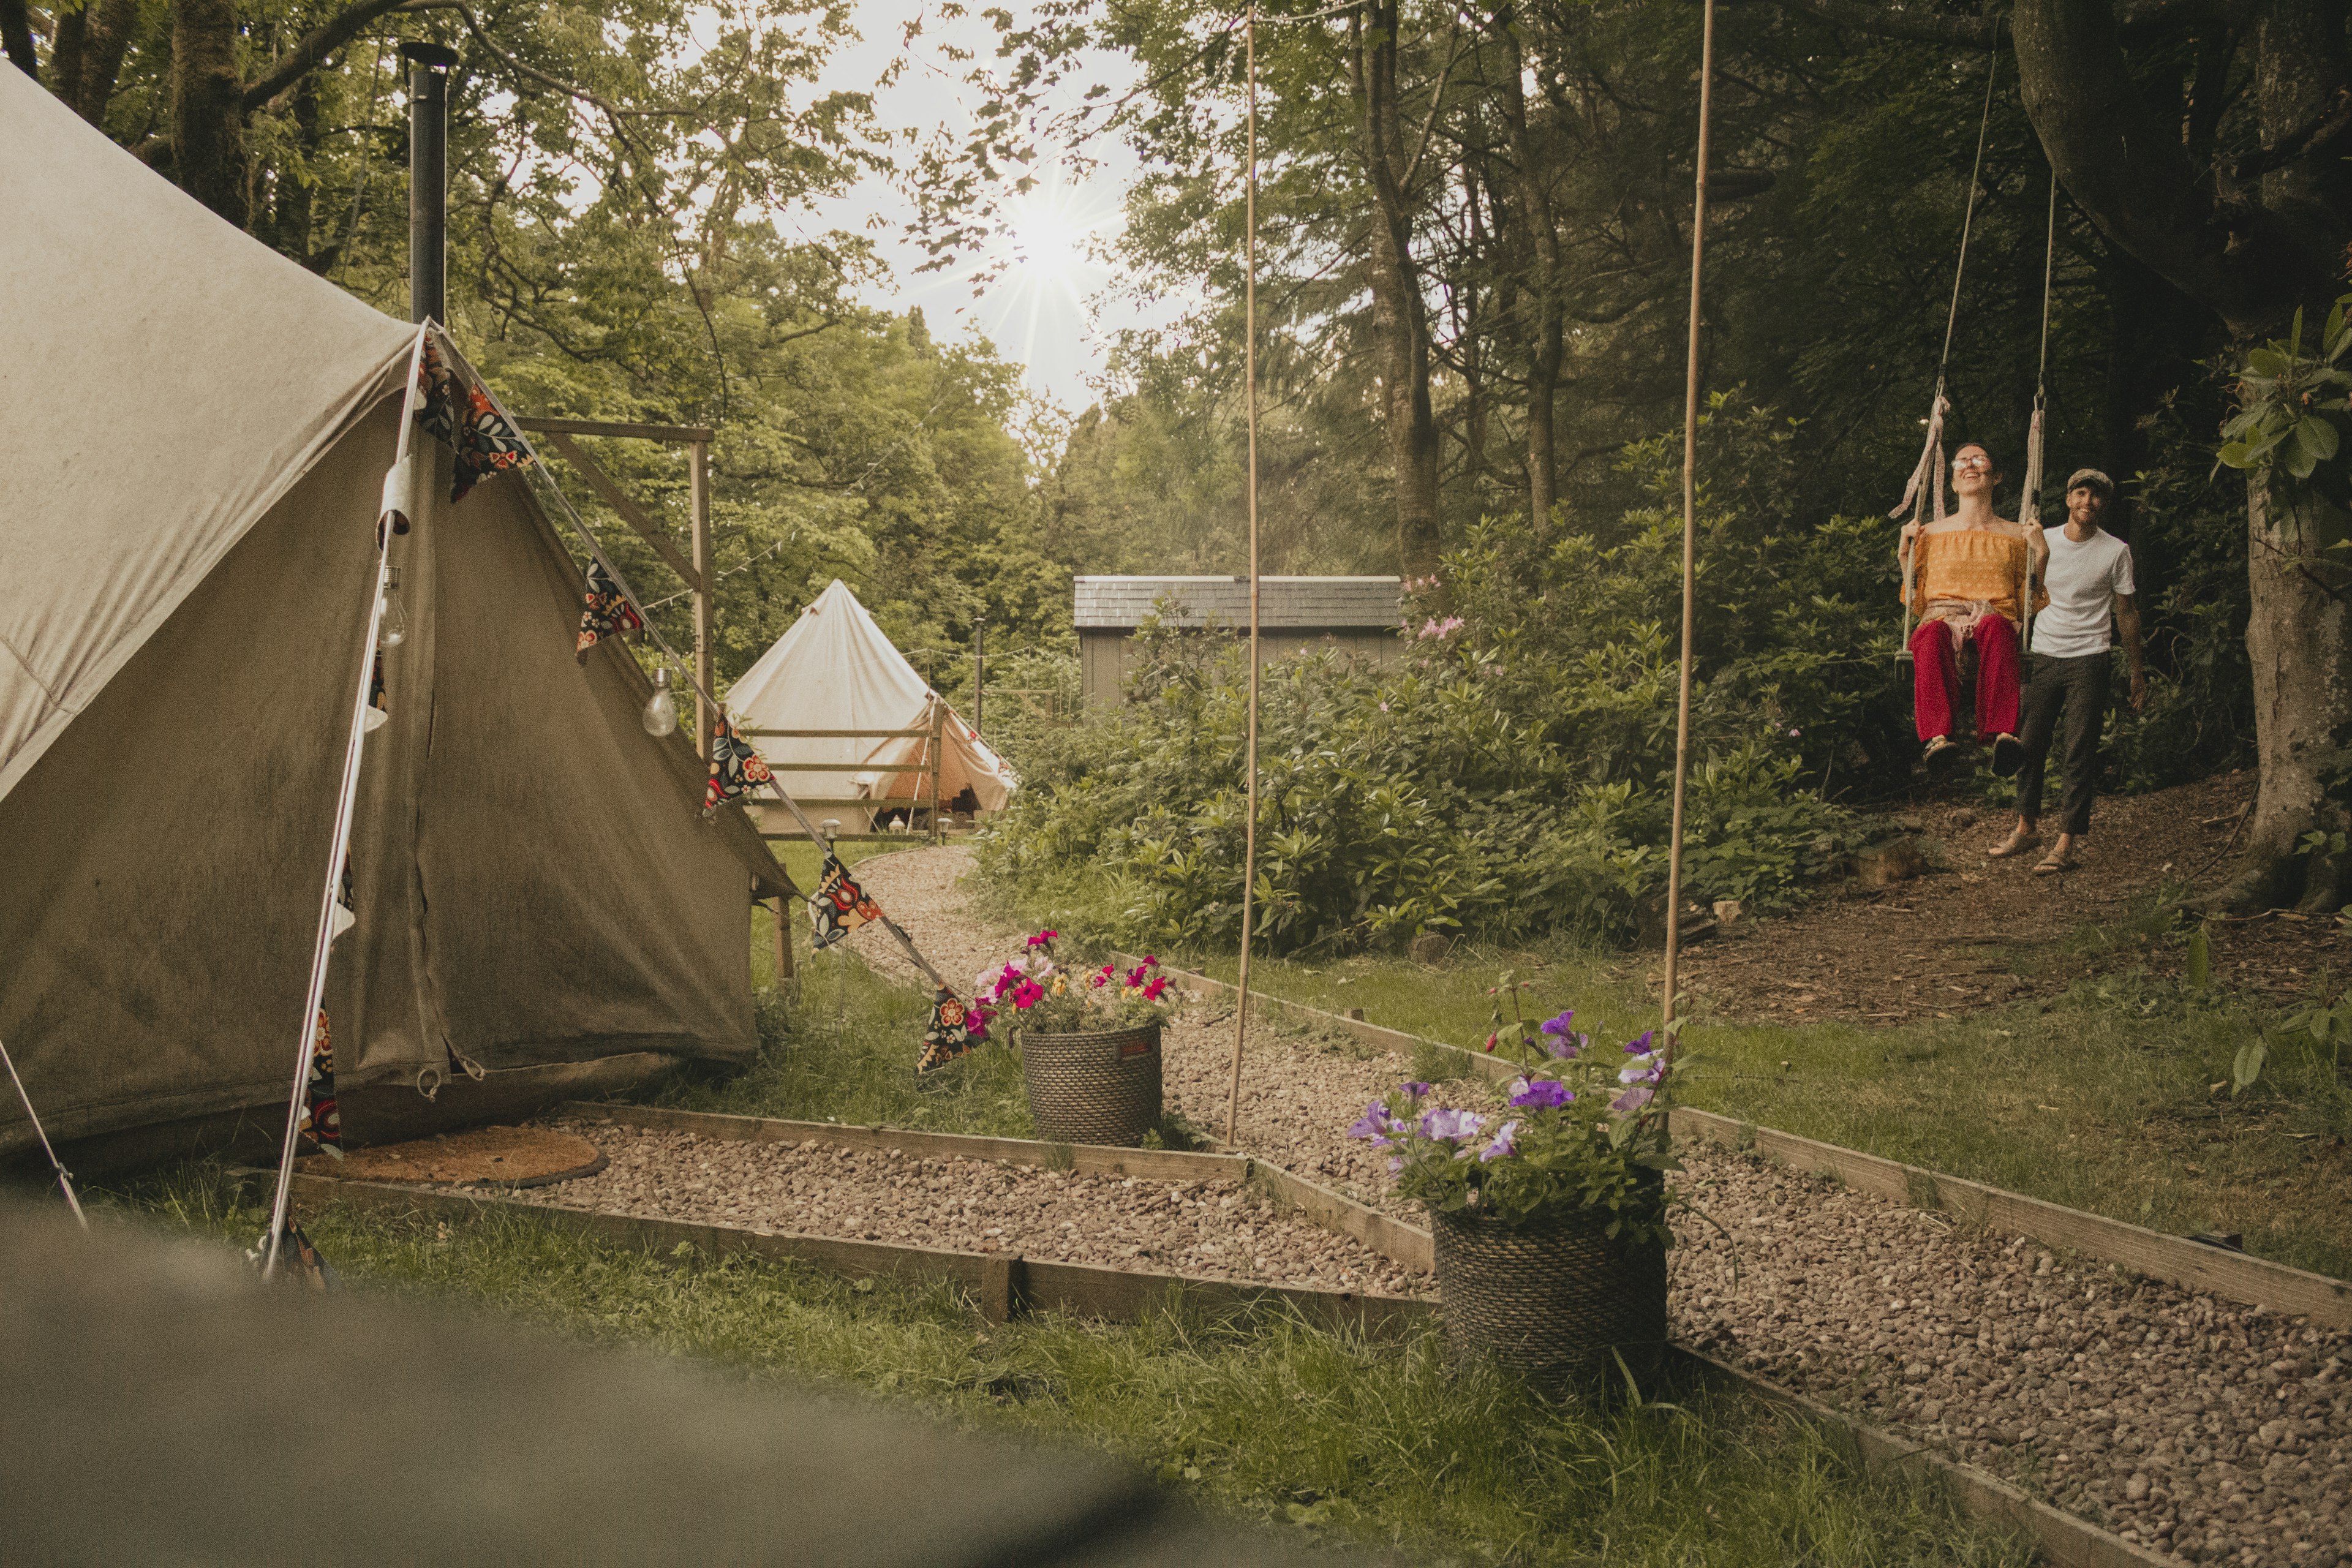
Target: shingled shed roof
(1284, 604)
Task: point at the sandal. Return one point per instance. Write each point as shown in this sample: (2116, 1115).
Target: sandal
(1940, 748)
(2017, 843)
(2008, 755)
(2054, 863)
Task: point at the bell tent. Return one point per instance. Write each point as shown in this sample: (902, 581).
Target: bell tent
(835, 670)
(197, 435)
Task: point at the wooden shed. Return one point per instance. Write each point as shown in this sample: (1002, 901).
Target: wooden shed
(1359, 614)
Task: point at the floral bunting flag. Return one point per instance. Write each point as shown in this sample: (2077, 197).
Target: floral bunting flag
(840, 907)
(463, 416)
(957, 1026)
(378, 707)
(735, 768)
(321, 1119)
(608, 615)
(347, 913)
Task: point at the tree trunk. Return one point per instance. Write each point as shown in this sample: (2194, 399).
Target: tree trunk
(16, 37)
(207, 116)
(2299, 639)
(1400, 316)
(1540, 229)
(64, 56)
(105, 42)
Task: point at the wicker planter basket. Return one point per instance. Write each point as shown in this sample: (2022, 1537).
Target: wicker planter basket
(1552, 1299)
(1098, 1088)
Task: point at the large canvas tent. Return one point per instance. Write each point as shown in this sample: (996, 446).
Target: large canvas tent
(835, 670)
(195, 434)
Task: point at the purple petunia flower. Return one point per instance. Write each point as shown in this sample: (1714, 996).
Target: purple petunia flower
(1502, 1147)
(1632, 1099)
(1448, 1125)
(1415, 1090)
(1540, 1094)
(1640, 1047)
(1376, 1124)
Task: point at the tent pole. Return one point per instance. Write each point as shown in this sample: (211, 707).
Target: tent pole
(939, 758)
(699, 472)
(783, 945)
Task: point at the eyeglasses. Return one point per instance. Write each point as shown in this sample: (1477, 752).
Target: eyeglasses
(1979, 462)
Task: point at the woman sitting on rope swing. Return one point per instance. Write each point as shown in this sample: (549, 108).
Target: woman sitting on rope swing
(1966, 582)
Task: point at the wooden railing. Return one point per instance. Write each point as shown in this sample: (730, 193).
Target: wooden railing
(925, 767)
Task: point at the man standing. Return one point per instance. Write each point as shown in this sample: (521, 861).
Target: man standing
(2088, 574)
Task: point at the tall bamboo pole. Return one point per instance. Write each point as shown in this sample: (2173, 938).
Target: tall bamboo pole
(1690, 525)
(1249, 401)
(699, 491)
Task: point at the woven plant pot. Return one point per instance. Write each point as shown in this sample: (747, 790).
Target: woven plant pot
(1554, 1299)
(1097, 1088)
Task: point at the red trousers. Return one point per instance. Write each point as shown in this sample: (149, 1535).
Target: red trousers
(1935, 677)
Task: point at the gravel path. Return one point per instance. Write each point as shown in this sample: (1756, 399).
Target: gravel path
(1217, 1229)
(1298, 1094)
(2183, 1422)
(2196, 1426)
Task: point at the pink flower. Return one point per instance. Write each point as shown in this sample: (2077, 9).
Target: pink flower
(1151, 991)
(1027, 995)
(1044, 939)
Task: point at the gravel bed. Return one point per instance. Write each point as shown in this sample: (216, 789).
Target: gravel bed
(2193, 1426)
(1217, 1230)
(2200, 1428)
(1298, 1095)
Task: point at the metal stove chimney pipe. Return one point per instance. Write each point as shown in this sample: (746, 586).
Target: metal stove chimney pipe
(428, 179)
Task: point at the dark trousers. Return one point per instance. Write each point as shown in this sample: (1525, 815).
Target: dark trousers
(2077, 687)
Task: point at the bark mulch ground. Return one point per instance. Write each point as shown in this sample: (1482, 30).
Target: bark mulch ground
(1973, 931)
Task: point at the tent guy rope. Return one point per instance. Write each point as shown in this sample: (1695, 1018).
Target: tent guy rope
(65, 1181)
(1690, 534)
(1249, 398)
(397, 495)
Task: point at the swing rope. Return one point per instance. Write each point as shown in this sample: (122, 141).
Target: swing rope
(2029, 502)
(1928, 476)
(1249, 401)
(1690, 536)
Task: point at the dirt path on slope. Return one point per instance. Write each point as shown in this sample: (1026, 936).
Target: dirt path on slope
(1973, 931)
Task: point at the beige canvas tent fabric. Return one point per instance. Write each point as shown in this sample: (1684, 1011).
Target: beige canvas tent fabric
(532, 876)
(166, 380)
(835, 670)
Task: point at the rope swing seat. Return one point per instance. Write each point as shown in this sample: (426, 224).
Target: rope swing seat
(1969, 577)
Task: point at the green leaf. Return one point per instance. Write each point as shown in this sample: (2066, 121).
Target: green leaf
(2267, 362)
(2249, 1066)
(2317, 437)
(2300, 462)
(2201, 960)
(2236, 455)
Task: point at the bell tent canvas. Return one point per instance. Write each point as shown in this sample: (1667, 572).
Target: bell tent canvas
(835, 670)
(195, 434)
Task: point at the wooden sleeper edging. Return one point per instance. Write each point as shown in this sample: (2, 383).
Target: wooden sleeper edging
(1004, 1286)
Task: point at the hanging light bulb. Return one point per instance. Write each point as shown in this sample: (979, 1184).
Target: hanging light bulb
(392, 630)
(661, 716)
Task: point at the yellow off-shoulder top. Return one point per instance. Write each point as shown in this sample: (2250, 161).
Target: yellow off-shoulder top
(1970, 565)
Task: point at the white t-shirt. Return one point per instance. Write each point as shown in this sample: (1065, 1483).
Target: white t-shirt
(2083, 580)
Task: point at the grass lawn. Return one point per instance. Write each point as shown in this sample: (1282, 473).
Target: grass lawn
(1254, 1413)
(2102, 1100)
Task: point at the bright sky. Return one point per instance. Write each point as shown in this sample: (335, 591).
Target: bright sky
(1054, 308)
